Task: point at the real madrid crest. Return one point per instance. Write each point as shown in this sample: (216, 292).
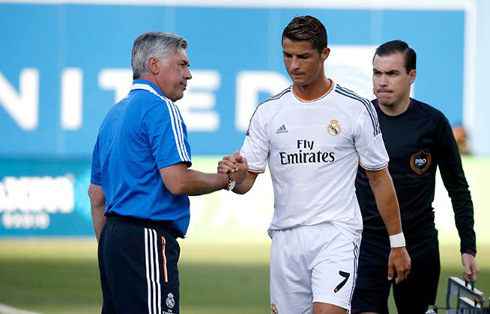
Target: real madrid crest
(333, 128)
(420, 162)
(170, 301)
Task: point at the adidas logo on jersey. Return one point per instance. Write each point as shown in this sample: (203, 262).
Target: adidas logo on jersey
(282, 129)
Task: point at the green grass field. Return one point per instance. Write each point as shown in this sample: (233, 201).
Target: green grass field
(61, 276)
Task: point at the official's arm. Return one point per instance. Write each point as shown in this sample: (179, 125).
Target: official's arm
(454, 179)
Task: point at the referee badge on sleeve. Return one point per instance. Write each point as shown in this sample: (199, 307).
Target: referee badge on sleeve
(420, 162)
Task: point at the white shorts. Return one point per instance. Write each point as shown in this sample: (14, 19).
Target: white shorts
(312, 264)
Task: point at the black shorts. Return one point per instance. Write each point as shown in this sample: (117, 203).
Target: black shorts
(413, 295)
(138, 267)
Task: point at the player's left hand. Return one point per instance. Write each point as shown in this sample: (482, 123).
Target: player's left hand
(471, 269)
(400, 262)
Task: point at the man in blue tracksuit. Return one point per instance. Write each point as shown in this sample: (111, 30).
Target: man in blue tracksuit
(141, 180)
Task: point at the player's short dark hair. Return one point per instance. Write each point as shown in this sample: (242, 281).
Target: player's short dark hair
(399, 46)
(307, 28)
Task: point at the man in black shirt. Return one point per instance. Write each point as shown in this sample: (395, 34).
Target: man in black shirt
(418, 139)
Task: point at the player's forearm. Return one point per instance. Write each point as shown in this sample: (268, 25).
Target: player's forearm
(389, 210)
(246, 185)
(386, 200)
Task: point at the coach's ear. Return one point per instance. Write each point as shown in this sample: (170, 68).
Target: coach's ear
(153, 66)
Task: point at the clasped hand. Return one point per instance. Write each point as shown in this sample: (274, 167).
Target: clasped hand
(235, 164)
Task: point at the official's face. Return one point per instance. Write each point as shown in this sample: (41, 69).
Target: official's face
(303, 63)
(391, 82)
(174, 74)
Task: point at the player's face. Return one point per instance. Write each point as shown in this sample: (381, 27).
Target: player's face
(303, 63)
(174, 74)
(391, 82)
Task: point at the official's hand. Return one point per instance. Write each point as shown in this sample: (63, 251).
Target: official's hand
(400, 262)
(471, 269)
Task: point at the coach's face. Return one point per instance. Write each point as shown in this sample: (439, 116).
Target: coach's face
(173, 74)
(391, 82)
(303, 63)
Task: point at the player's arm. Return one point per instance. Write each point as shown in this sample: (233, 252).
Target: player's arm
(247, 184)
(387, 203)
(97, 203)
(180, 180)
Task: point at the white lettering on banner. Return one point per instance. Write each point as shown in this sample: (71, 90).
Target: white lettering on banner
(119, 80)
(195, 106)
(25, 220)
(23, 107)
(26, 202)
(35, 194)
(249, 85)
(198, 101)
(71, 98)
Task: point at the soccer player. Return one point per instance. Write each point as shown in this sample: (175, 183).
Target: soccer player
(418, 139)
(313, 136)
(140, 182)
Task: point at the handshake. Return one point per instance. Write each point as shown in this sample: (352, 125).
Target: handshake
(235, 164)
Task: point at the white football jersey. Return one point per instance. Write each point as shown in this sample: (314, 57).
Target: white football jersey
(313, 149)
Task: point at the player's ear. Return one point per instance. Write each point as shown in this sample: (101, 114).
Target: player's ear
(325, 53)
(412, 75)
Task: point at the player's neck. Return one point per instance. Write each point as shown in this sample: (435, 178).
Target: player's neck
(314, 90)
(395, 109)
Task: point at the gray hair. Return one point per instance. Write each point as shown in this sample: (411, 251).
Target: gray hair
(157, 45)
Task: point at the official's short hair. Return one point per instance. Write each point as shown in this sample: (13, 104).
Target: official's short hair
(307, 28)
(157, 45)
(399, 46)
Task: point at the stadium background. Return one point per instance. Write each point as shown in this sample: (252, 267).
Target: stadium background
(63, 64)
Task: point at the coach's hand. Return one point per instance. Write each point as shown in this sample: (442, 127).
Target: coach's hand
(236, 164)
(229, 163)
(470, 267)
(400, 262)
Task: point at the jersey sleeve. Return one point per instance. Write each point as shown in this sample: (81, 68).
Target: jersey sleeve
(167, 135)
(256, 145)
(369, 141)
(96, 175)
(454, 179)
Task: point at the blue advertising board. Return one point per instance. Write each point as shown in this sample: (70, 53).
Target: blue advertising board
(44, 198)
(63, 65)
